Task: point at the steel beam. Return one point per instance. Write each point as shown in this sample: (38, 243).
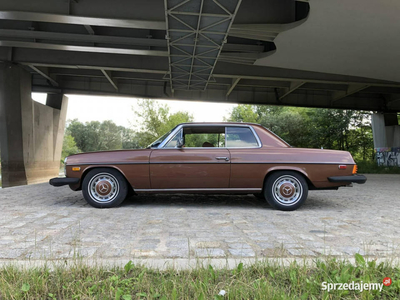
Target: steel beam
(159, 65)
(45, 73)
(89, 29)
(352, 89)
(233, 85)
(293, 86)
(195, 41)
(260, 96)
(82, 48)
(107, 74)
(68, 19)
(84, 38)
(229, 70)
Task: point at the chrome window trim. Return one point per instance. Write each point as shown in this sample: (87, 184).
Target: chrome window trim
(181, 132)
(252, 130)
(168, 138)
(173, 133)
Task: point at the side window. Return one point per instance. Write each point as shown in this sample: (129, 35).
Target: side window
(174, 140)
(205, 140)
(241, 137)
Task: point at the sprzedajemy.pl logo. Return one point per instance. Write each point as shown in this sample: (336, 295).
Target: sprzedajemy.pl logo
(356, 286)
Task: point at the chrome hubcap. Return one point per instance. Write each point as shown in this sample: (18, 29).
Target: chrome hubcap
(103, 188)
(287, 190)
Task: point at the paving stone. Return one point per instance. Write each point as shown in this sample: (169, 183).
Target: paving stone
(11, 253)
(263, 245)
(242, 252)
(210, 252)
(301, 252)
(239, 245)
(208, 244)
(40, 221)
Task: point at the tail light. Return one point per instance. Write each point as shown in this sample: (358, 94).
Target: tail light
(355, 169)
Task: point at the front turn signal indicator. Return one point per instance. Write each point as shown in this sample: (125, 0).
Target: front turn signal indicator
(76, 169)
(355, 169)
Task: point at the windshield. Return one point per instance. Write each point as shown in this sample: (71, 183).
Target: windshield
(157, 142)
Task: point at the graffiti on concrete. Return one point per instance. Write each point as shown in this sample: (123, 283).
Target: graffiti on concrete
(389, 157)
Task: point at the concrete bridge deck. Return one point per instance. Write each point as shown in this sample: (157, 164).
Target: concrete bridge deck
(41, 222)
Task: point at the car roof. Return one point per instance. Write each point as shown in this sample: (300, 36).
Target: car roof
(219, 123)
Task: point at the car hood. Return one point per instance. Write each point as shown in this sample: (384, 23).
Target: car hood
(107, 157)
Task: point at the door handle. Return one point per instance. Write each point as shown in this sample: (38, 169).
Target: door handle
(222, 158)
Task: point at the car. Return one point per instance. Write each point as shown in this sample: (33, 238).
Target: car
(228, 158)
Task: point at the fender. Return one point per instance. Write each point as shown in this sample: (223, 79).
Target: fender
(287, 168)
(78, 186)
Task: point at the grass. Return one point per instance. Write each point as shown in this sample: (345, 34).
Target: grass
(371, 167)
(259, 281)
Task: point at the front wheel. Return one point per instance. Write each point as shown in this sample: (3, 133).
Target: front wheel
(104, 188)
(286, 190)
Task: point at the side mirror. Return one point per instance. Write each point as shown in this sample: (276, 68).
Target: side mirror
(179, 143)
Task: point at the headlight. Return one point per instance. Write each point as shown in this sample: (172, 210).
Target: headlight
(65, 166)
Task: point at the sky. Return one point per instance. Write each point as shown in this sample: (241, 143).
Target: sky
(119, 110)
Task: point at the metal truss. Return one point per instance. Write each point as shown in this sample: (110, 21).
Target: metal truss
(196, 32)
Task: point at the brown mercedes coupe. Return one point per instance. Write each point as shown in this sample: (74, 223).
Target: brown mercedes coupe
(231, 158)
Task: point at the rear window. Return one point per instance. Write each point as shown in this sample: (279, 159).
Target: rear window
(240, 137)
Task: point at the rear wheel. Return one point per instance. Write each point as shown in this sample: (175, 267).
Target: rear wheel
(104, 188)
(286, 190)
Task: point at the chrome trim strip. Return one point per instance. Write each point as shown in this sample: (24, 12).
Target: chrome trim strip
(251, 129)
(189, 162)
(109, 163)
(208, 162)
(202, 190)
(285, 163)
(168, 138)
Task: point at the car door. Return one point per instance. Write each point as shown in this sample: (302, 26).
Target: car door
(190, 168)
(246, 155)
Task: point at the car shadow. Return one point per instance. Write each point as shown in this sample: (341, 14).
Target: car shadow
(200, 200)
(194, 200)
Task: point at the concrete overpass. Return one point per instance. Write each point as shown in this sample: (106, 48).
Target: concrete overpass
(316, 53)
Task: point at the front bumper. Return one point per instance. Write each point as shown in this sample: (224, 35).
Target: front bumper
(63, 181)
(348, 179)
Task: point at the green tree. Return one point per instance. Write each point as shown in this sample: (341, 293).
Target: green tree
(153, 120)
(129, 138)
(69, 146)
(110, 136)
(312, 127)
(290, 124)
(245, 113)
(95, 136)
(287, 122)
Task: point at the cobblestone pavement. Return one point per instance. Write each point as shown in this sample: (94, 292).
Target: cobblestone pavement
(43, 222)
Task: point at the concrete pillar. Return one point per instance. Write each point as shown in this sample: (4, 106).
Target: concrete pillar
(378, 130)
(386, 132)
(31, 134)
(11, 103)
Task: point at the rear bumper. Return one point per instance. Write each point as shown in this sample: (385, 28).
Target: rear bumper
(63, 181)
(348, 179)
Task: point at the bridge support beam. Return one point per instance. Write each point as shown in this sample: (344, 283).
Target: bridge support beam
(386, 131)
(31, 134)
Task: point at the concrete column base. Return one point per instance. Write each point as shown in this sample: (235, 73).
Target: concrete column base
(31, 134)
